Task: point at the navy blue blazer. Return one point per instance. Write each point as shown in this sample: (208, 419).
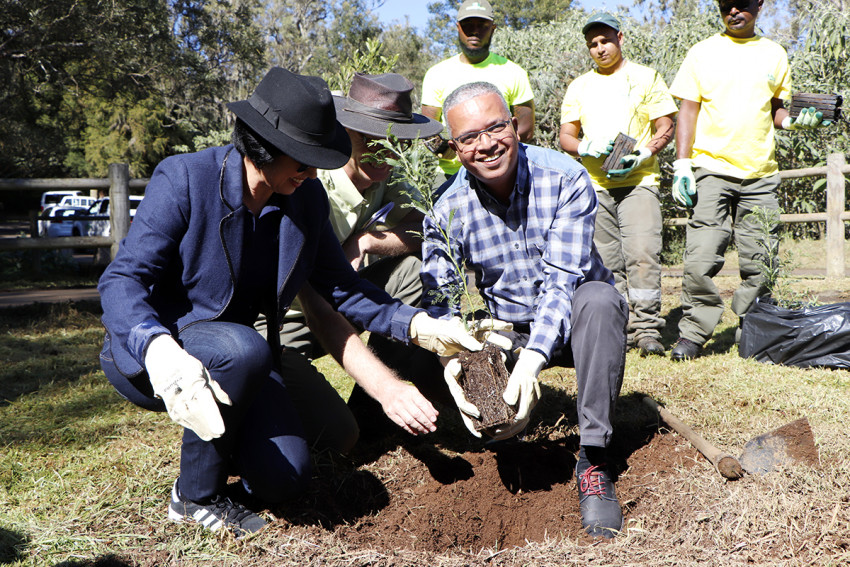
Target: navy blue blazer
(180, 261)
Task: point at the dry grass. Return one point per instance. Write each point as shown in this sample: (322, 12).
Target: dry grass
(84, 475)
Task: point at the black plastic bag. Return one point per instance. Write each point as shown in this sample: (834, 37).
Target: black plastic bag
(813, 336)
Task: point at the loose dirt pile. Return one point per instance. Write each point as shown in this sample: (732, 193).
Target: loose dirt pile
(421, 497)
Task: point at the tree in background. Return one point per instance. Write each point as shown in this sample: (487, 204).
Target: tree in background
(83, 81)
(819, 53)
(86, 82)
(314, 36)
(53, 56)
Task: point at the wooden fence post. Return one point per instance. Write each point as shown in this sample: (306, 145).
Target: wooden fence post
(834, 224)
(35, 255)
(119, 203)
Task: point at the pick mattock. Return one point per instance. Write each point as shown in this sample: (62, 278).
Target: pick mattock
(791, 443)
(726, 464)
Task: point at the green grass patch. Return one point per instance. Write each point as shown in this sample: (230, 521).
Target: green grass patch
(85, 475)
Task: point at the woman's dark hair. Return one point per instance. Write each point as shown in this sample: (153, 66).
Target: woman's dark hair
(250, 145)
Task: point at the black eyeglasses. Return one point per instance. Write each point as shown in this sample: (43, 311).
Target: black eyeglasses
(470, 138)
(301, 167)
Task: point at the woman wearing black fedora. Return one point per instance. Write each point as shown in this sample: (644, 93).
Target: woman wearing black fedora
(359, 192)
(222, 235)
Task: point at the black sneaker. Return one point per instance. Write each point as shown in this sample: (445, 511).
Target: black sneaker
(221, 512)
(600, 510)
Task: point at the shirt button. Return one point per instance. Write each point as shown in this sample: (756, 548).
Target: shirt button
(516, 245)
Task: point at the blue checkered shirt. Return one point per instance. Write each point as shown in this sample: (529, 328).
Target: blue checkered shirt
(527, 257)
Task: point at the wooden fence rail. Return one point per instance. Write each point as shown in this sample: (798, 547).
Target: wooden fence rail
(119, 185)
(834, 217)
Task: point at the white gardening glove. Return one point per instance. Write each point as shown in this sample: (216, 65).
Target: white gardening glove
(522, 388)
(684, 183)
(185, 386)
(442, 336)
(595, 148)
(630, 162)
(807, 119)
(451, 372)
(487, 330)
(506, 431)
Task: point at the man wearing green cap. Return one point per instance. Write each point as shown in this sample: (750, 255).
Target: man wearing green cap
(622, 96)
(475, 62)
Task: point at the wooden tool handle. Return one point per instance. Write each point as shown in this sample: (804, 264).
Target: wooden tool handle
(726, 464)
(711, 452)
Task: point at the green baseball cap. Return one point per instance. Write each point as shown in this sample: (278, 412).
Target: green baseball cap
(603, 19)
(475, 9)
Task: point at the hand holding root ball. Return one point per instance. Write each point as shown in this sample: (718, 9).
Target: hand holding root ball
(504, 418)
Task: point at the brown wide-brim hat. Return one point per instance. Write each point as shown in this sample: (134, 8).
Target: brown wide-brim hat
(376, 103)
(295, 114)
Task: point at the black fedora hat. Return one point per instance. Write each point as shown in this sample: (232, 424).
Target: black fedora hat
(295, 113)
(377, 102)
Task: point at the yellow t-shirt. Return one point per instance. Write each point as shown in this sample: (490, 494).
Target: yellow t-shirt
(627, 101)
(734, 81)
(444, 77)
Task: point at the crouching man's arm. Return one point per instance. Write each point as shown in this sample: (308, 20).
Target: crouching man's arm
(401, 402)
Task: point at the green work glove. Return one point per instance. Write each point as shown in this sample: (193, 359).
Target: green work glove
(807, 119)
(684, 184)
(595, 148)
(630, 162)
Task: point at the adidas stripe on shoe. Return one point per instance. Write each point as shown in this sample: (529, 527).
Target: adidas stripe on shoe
(220, 512)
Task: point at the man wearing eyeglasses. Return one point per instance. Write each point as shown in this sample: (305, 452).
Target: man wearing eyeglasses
(522, 219)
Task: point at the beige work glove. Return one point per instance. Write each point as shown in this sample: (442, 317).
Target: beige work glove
(506, 431)
(522, 389)
(487, 330)
(451, 372)
(442, 336)
(185, 387)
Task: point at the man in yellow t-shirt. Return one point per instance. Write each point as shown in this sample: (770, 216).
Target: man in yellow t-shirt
(475, 63)
(622, 96)
(732, 87)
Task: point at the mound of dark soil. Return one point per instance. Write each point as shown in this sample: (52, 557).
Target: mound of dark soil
(429, 499)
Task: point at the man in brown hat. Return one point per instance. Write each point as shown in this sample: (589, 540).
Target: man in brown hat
(369, 215)
(222, 235)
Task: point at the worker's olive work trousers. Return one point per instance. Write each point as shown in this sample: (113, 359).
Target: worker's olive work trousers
(628, 237)
(722, 206)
